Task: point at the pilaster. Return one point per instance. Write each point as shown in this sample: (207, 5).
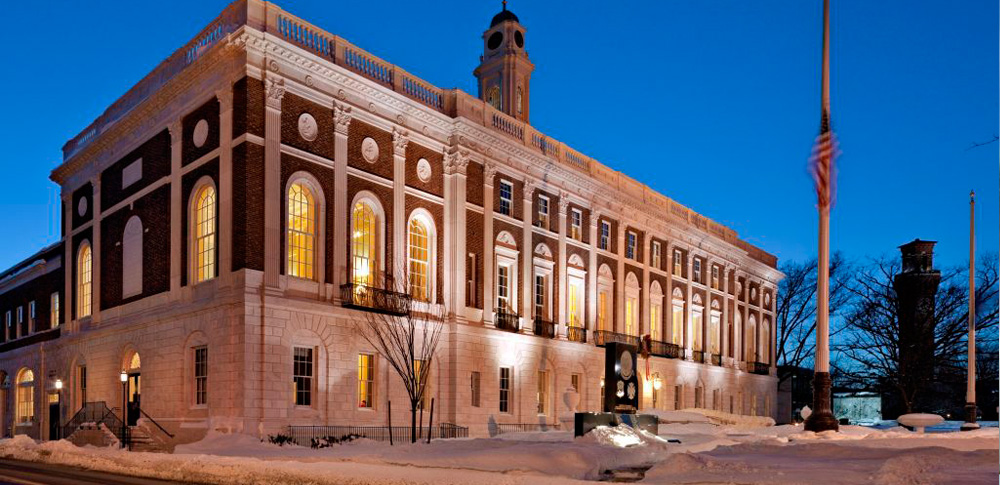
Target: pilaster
(342, 120)
(69, 264)
(527, 257)
(96, 268)
(456, 162)
(688, 311)
(225, 97)
(644, 319)
(275, 89)
(619, 298)
(399, 242)
(591, 323)
(489, 259)
(176, 204)
(564, 221)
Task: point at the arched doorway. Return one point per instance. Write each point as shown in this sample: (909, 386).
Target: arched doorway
(133, 388)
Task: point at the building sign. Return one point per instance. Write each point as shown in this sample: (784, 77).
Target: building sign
(621, 381)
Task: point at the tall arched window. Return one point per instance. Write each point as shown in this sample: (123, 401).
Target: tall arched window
(25, 394)
(203, 217)
(715, 329)
(631, 305)
(420, 259)
(655, 311)
(765, 342)
(697, 319)
(132, 258)
(301, 237)
(364, 244)
(677, 318)
(751, 336)
(84, 277)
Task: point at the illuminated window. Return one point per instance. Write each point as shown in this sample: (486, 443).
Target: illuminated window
(630, 245)
(204, 233)
(25, 395)
(364, 244)
(765, 343)
(602, 310)
(574, 382)
(301, 238)
(21, 331)
(697, 269)
(420, 260)
(605, 240)
(696, 331)
(655, 310)
(576, 224)
(505, 389)
(715, 324)
(543, 392)
(678, 263)
(715, 278)
(655, 257)
(677, 327)
(503, 287)
(540, 304)
(366, 381)
(54, 310)
(506, 197)
(631, 305)
(302, 376)
(200, 375)
(84, 273)
(543, 211)
(575, 306)
(132, 258)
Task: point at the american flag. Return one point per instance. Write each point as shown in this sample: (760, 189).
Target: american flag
(821, 163)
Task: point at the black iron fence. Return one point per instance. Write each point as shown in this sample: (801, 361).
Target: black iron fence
(506, 321)
(602, 337)
(665, 349)
(545, 328)
(94, 414)
(576, 334)
(304, 435)
(758, 368)
(375, 299)
(498, 428)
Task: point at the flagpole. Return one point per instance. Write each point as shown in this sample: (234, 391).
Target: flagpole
(970, 390)
(822, 418)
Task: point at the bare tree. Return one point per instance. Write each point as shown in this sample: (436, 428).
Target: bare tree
(796, 310)
(408, 342)
(870, 345)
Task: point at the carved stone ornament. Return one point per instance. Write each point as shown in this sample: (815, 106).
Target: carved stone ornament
(739, 288)
(456, 161)
(423, 170)
(399, 141)
(308, 129)
(309, 81)
(342, 118)
(369, 149)
(81, 207)
(753, 293)
(563, 202)
(529, 187)
(275, 89)
(200, 133)
(489, 172)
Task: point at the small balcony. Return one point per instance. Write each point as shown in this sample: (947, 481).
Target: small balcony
(576, 334)
(506, 321)
(544, 328)
(664, 349)
(371, 298)
(717, 359)
(698, 356)
(602, 337)
(758, 368)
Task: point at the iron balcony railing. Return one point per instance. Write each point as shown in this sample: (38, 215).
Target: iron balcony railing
(665, 349)
(576, 334)
(544, 328)
(698, 356)
(375, 299)
(602, 337)
(759, 368)
(717, 359)
(506, 321)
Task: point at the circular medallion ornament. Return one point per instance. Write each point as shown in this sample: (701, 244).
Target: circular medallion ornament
(627, 365)
(753, 293)
(767, 299)
(423, 170)
(200, 133)
(307, 127)
(369, 149)
(81, 207)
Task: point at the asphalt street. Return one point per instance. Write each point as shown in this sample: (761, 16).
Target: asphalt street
(29, 473)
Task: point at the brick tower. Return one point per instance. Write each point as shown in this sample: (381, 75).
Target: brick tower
(504, 71)
(916, 286)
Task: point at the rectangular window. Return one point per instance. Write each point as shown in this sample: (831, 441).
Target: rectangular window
(471, 282)
(30, 324)
(540, 312)
(715, 277)
(543, 211)
(302, 376)
(574, 304)
(677, 332)
(20, 322)
(602, 311)
(697, 270)
(505, 389)
(655, 257)
(605, 242)
(574, 382)
(54, 310)
(474, 384)
(366, 381)
(576, 224)
(678, 397)
(630, 245)
(201, 375)
(503, 288)
(543, 392)
(506, 197)
(678, 263)
(83, 383)
(631, 317)
(11, 333)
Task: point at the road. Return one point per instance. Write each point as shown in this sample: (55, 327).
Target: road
(28, 473)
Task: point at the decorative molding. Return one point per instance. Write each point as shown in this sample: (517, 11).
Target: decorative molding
(563, 202)
(342, 118)
(505, 238)
(176, 131)
(275, 88)
(369, 149)
(576, 260)
(529, 187)
(225, 97)
(400, 139)
(543, 250)
(489, 172)
(200, 135)
(678, 294)
(456, 161)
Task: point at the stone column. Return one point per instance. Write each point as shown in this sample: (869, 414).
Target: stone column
(591, 322)
(489, 259)
(688, 311)
(176, 207)
(69, 265)
(644, 291)
(527, 259)
(341, 211)
(399, 245)
(668, 297)
(564, 220)
(456, 162)
(275, 88)
(726, 323)
(96, 249)
(225, 97)
(619, 298)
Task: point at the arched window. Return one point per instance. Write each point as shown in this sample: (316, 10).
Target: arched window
(493, 96)
(203, 211)
(751, 336)
(715, 329)
(765, 342)
(301, 236)
(364, 243)
(631, 305)
(84, 278)
(697, 318)
(132, 258)
(420, 255)
(605, 283)
(25, 394)
(655, 311)
(677, 318)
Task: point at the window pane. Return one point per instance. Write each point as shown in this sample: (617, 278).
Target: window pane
(366, 381)
(504, 389)
(201, 375)
(301, 237)
(364, 244)
(419, 261)
(84, 276)
(302, 373)
(204, 234)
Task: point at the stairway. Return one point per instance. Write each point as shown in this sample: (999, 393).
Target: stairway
(141, 440)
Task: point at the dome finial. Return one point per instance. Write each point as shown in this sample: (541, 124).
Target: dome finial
(504, 4)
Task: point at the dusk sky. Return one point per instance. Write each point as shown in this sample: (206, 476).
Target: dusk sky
(713, 103)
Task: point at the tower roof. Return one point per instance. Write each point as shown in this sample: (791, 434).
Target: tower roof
(503, 16)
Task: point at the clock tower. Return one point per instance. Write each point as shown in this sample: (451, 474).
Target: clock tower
(504, 71)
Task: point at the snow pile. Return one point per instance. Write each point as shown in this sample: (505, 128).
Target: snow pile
(678, 417)
(734, 420)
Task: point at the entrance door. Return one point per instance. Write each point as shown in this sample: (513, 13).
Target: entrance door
(133, 398)
(54, 421)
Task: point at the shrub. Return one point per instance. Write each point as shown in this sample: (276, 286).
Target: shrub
(281, 439)
(328, 441)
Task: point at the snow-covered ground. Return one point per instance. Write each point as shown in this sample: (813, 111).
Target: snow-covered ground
(707, 453)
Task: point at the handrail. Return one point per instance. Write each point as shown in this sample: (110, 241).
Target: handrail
(150, 418)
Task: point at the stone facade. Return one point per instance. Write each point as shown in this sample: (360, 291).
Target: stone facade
(256, 108)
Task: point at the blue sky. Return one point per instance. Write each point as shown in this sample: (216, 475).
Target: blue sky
(714, 103)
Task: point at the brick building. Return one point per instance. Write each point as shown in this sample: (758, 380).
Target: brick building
(222, 218)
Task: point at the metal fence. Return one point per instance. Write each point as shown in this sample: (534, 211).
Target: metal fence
(303, 435)
(498, 428)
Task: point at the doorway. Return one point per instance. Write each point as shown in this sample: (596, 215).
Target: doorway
(133, 398)
(55, 423)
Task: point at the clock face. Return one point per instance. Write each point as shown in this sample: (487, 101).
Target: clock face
(494, 41)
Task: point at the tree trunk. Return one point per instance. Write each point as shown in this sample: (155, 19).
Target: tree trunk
(413, 422)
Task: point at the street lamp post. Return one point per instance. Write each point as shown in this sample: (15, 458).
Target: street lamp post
(59, 386)
(970, 390)
(124, 378)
